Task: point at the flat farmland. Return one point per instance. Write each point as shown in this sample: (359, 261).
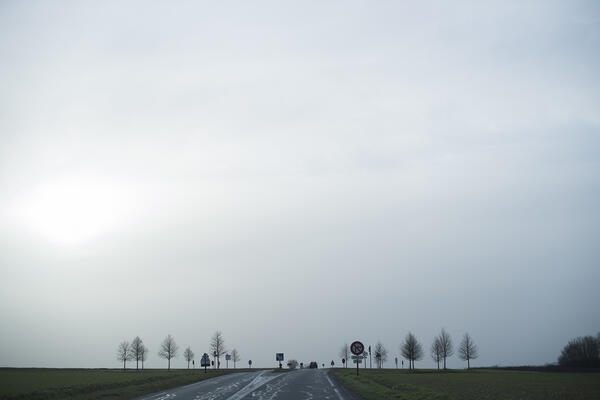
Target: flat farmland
(470, 385)
(49, 383)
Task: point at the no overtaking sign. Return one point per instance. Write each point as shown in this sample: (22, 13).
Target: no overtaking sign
(357, 348)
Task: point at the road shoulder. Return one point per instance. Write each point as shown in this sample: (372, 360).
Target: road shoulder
(346, 393)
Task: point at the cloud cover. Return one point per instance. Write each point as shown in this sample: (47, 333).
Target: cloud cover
(298, 176)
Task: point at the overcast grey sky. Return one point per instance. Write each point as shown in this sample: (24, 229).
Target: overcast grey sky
(298, 175)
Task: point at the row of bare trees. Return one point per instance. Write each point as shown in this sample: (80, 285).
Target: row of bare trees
(441, 349)
(136, 350)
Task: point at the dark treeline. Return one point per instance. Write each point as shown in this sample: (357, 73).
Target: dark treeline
(581, 352)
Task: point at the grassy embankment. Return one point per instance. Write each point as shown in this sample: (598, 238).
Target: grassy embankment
(108, 384)
(469, 385)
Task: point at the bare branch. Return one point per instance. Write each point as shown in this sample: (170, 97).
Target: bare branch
(380, 354)
(217, 346)
(124, 353)
(188, 355)
(411, 349)
(235, 356)
(345, 353)
(467, 350)
(168, 349)
(446, 345)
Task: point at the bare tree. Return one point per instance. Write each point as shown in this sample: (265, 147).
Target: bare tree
(188, 354)
(235, 356)
(344, 353)
(168, 350)
(436, 351)
(143, 355)
(124, 353)
(137, 347)
(446, 343)
(412, 350)
(380, 354)
(467, 350)
(217, 346)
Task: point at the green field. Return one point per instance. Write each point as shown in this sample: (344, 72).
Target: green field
(47, 383)
(470, 385)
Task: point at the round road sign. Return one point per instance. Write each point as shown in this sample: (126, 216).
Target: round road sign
(357, 347)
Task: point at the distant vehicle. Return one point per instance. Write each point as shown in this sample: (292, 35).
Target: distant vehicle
(313, 364)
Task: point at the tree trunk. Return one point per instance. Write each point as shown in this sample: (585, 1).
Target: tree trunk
(137, 364)
(468, 364)
(123, 365)
(444, 362)
(169, 365)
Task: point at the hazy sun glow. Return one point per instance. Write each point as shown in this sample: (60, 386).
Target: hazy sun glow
(71, 210)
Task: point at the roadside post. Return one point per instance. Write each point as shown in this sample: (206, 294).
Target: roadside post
(249, 363)
(205, 361)
(357, 349)
(396, 362)
(279, 357)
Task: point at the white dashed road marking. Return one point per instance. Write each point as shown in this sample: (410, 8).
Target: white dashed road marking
(335, 389)
(252, 386)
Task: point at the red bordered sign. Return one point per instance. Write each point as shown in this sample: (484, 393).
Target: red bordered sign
(357, 348)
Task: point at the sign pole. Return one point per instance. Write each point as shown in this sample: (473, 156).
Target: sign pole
(357, 349)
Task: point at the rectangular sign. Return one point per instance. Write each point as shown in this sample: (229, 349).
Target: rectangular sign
(278, 356)
(359, 361)
(227, 357)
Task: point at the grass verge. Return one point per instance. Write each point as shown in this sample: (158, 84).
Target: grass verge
(107, 384)
(469, 385)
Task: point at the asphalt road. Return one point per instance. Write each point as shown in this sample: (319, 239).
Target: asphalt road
(261, 385)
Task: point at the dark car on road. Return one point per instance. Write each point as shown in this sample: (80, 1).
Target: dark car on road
(313, 364)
